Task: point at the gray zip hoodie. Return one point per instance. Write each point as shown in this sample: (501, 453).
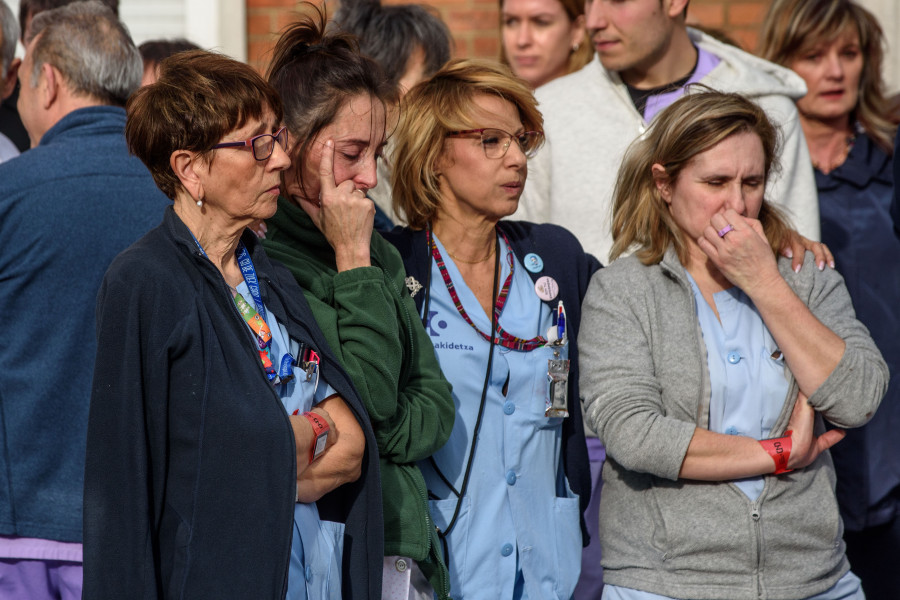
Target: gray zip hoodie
(646, 386)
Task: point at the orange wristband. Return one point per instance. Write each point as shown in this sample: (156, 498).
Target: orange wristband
(780, 451)
(320, 428)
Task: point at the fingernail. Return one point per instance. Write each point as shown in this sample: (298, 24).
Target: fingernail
(789, 253)
(797, 268)
(821, 265)
(831, 264)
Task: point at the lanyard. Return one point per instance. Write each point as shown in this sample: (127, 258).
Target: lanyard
(256, 318)
(503, 338)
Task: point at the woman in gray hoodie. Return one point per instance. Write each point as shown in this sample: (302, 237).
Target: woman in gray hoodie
(713, 368)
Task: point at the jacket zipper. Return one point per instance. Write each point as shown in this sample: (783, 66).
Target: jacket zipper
(757, 530)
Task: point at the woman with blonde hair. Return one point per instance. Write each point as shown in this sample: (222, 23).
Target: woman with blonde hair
(501, 301)
(544, 39)
(836, 46)
(711, 368)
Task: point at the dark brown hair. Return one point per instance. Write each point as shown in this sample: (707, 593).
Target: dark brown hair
(316, 73)
(198, 99)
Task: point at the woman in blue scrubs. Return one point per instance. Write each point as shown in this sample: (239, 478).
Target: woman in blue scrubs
(836, 46)
(712, 368)
(501, 301)
(220, 416)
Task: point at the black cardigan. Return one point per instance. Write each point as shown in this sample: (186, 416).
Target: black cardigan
(191, 467)
(567, 263)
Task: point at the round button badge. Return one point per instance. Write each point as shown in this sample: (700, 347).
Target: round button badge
(533, 263)
(546, 287)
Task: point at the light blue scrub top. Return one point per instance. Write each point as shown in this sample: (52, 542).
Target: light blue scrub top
(748, 389)
(748, 386)
(316, 546)
(518, 534)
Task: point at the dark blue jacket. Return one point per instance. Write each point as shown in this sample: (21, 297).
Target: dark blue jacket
(191, 463)
(854, 204)
(567, 263)
(68, 207)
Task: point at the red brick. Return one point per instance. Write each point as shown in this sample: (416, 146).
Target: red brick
(259, 22)
(486, 47)
(473, 20)
(285, 18)
(746, 13)
(747, 38)
(251, 4)
(259, 52)
(707, 15)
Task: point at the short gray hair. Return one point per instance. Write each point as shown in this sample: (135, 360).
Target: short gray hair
(10, 29)
(92, 49)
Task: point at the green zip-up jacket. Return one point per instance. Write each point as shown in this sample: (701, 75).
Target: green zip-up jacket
(371, 323)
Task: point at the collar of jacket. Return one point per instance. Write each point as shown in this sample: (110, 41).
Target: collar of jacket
(865, 163)
(90, 120)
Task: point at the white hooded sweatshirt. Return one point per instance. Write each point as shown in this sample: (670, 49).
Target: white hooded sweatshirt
(590, 120)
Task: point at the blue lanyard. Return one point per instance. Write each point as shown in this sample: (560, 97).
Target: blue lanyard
(249, 273)
(285, 368)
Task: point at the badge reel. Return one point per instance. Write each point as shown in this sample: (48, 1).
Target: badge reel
(557, 367)
(309, 363)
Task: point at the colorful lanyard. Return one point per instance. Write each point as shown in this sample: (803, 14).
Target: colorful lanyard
(256, 318)
(503, 338)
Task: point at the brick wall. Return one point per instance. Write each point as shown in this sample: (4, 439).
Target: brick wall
(474, 23)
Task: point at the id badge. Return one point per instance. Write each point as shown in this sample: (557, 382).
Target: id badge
(558, 377)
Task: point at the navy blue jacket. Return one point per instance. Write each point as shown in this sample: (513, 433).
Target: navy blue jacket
(191, 467)
(68, 207)
(566, 262)
(854, 204)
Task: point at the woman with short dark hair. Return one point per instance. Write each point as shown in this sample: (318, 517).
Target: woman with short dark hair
(220, 416)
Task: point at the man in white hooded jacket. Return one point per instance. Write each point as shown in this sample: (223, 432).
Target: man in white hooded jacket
(646, 57)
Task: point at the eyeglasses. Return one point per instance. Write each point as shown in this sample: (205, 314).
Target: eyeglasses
(496, 141)
(262, 145)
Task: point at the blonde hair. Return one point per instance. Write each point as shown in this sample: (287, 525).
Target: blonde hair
(793, 26)
(690, 126)
(577, 58)
(438, 105)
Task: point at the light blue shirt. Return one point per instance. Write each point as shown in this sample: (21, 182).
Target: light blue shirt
(518, 533)
(316, 546)
(748, 381)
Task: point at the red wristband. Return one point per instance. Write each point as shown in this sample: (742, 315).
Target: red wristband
(320, 428)
(780, 451)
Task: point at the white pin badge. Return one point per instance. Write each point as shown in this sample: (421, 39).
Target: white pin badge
(546, 287)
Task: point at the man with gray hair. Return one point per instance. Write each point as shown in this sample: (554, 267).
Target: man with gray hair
(9, 30)
(69, 205)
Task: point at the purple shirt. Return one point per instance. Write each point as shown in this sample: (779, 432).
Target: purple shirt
(706, 62)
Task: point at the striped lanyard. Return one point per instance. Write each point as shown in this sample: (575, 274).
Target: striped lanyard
(502, 337)
(256, 318)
